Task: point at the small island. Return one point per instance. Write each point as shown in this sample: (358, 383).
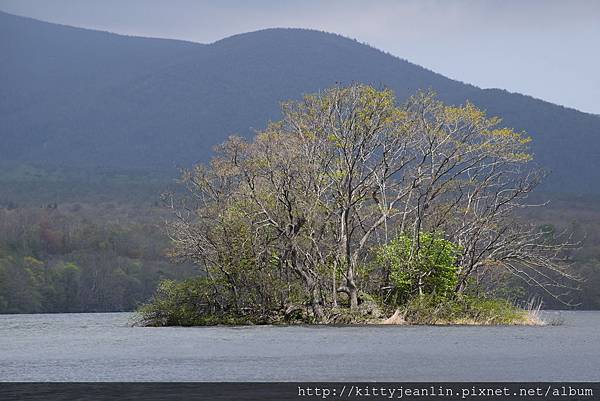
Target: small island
(353, 209)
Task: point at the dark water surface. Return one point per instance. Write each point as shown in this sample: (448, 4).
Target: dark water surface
(104, 347)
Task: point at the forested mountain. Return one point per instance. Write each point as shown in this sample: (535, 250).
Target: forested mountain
(76, 97)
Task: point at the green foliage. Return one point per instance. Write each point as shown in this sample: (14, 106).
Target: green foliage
(191, 302)
(178, 303)
(426, 268)
(88, 258)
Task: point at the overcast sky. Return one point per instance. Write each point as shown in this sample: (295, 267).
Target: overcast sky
(549, 49)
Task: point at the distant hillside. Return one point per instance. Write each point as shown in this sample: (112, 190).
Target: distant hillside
(77, 97)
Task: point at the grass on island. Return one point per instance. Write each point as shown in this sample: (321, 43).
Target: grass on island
(470, 310)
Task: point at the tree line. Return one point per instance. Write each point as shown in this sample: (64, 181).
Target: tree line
(80, 258)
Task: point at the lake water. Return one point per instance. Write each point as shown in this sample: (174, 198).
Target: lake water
(104, 347)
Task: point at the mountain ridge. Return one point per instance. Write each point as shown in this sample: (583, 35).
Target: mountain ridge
(130, 101)
(241, 34)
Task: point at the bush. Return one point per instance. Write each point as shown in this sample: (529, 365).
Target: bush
(192, 302)
(179, 303)
(432, 271)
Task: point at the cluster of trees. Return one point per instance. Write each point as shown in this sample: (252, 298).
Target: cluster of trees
(80, 258)
(350, 196)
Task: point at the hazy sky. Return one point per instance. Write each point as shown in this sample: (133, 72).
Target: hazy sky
(549, 49)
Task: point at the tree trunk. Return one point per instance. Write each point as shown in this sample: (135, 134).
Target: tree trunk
(334, 286)
(346, 251)
(351, 284)
(317, 307)
(353, 293)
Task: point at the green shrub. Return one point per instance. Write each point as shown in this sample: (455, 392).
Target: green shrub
(179, 303)
(431, 270)
(192, 302)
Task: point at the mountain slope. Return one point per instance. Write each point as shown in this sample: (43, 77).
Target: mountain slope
(77, 97)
